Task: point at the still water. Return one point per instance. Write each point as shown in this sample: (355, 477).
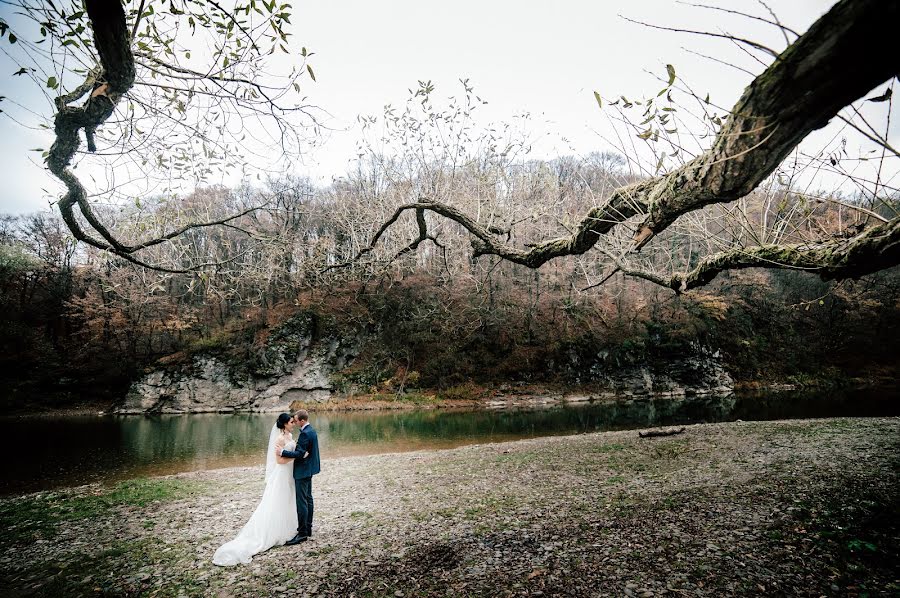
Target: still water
(41, 453)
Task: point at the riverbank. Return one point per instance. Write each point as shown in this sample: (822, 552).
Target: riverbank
(518, 395)
(797, 508)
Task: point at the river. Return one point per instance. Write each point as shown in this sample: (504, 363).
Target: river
(44, 452)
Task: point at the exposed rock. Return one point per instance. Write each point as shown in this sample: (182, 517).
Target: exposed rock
(696, 369)
(293, 365)
(297, 360)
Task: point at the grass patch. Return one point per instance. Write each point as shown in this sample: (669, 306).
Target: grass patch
(462, 392)
(473, 513)
(669, 450)
(414, 398)
(111, 569)
(23, 518)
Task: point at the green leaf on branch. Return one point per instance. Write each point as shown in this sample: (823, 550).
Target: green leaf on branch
(671, 70)
(51, 83)
(599, 100)
(311, 73)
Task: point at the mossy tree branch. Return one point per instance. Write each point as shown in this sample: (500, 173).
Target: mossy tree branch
(104, 86)
(875, 249)
(846, 53)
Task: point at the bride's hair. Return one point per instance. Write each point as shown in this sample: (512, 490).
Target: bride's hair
(282, 420)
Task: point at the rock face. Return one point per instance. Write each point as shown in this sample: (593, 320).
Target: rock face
(297, 360)
(695, 370)
(294, 364)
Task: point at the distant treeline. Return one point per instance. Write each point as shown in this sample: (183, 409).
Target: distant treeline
(78, 325)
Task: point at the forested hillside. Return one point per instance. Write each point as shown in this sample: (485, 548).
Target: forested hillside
(79, 325)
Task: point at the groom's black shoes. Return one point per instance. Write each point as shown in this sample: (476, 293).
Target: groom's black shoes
(296, 540)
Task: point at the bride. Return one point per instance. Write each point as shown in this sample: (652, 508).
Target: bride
(274, 521)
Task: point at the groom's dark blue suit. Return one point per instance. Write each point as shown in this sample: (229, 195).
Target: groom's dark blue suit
(304, 470)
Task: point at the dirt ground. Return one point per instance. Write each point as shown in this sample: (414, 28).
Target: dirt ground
(798, 508)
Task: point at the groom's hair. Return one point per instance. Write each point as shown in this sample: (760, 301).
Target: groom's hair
(302, 415)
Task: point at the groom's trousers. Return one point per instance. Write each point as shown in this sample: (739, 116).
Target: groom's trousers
(304, 505)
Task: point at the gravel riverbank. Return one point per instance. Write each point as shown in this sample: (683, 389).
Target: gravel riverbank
(805, 508)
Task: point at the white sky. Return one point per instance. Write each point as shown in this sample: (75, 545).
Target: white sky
(543, 57)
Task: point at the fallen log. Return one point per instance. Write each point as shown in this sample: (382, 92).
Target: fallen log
(665, 432)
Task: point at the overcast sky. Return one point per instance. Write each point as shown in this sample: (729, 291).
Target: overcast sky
(546, 58)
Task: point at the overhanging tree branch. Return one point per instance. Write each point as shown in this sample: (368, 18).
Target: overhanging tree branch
(875, 249)
(104, 86)
(846, 53)
(112, 40)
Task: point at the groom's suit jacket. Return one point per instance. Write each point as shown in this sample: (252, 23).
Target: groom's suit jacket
(307, 442)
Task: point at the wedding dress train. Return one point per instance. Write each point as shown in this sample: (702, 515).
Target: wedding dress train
(274, 521)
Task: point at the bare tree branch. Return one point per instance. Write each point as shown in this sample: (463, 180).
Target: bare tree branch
(875, 249)
(741, 40)
(796, 95)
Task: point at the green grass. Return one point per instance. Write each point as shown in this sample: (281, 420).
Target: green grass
(113, 569)
(415, 398)
(23, 518)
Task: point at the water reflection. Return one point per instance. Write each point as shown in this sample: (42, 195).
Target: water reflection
(90, 449)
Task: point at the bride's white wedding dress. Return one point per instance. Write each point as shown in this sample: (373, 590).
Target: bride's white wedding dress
(274, 521)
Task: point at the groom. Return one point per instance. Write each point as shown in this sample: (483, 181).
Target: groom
(306, 465)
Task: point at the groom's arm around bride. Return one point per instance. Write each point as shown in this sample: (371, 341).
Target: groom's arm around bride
(306, 465)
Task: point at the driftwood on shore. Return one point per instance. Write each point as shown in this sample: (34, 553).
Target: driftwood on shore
(663, 432)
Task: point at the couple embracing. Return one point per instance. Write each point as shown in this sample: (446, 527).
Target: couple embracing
(285, 512)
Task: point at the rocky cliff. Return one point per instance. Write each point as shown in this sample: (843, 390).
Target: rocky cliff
(294, 363)
(298, 359)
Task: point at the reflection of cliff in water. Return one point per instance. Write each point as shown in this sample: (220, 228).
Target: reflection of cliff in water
(92, 449)
(495, 425)
(648, 412)
(642, 412)
(817, 403)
